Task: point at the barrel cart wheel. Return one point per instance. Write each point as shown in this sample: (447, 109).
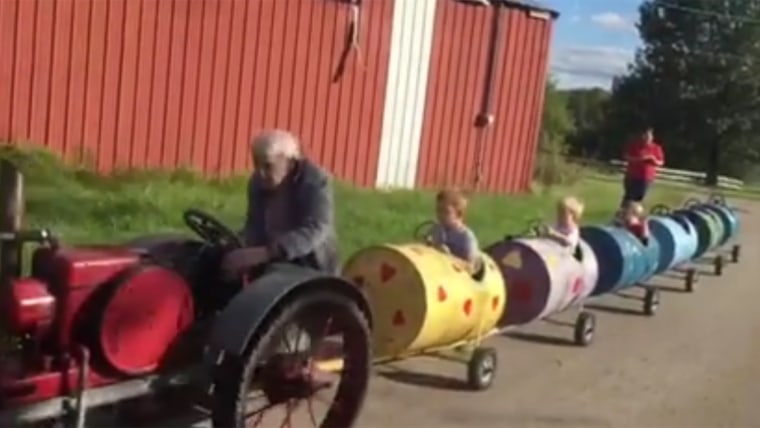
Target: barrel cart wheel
(692, 277)
(718, 265)
(717, 198)
(481, 368)
(651, 301)
(585, 328)
(736, 253)
(277, 378)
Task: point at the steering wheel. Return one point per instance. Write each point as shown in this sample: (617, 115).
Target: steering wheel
(717, 199)
(422, 231)
(535, 228)
(691, 202)
(660, 209)
(210, 229)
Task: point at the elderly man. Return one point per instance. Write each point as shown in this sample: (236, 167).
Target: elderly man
(290, 209)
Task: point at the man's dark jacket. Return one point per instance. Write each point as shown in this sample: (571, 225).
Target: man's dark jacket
(311, 239)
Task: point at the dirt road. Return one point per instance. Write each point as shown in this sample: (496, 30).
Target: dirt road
(695, 364)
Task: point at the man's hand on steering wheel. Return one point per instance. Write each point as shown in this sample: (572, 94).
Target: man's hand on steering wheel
(238, 261)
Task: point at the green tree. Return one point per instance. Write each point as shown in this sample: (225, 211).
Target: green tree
(556, 122)
(588, 109)
(696, 79)
(556, 126)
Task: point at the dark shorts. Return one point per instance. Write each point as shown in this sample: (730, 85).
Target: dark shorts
(635, 189)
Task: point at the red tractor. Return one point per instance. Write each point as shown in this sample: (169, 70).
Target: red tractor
(100, 326)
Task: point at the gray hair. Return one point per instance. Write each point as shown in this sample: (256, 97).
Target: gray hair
(276, 142)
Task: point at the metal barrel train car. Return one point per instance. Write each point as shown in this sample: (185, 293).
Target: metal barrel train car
(427, 302)
(698, 231)
(624, 261)
(728, 222)
(542, 278)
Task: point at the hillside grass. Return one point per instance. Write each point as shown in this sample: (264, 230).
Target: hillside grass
(83, 207)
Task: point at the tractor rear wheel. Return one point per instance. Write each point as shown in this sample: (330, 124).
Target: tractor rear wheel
(279, 375)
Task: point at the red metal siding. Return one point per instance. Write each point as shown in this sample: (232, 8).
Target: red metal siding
(542, 36)
(457, 78)
(458, 57)
(178, 83)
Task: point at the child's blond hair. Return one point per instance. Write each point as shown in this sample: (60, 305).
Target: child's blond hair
(454, 198)
(572, 205)
(634, 208)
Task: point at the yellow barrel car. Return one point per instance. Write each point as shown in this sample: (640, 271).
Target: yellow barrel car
(426, 302)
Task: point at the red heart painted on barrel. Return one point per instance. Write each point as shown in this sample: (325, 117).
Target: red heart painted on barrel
(522, 291)
(387, 272)
(398, 318)
(467, 308)
(577, 286)
(442, 295)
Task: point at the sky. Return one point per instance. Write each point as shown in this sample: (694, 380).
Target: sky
(593, 40)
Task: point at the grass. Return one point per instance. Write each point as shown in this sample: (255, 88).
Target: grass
(83, 207)
(749, 191)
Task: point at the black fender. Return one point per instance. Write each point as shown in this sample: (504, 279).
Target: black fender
(247, 312)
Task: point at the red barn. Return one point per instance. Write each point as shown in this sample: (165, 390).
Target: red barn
(397, 93)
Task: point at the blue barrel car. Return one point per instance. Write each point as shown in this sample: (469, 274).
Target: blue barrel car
(718, 228)
(624, 261)
(710, 232)
(708, 227)
(732, 212)
(678, 241)
(729, 218)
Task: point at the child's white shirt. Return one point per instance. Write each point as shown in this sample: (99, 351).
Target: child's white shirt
(572, 233)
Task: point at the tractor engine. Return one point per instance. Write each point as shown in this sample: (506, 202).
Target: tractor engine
(88, 315)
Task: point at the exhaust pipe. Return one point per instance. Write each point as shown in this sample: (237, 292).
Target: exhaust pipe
(11, 218)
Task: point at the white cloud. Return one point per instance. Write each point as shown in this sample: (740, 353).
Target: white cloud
(589, 66)
(613, 21)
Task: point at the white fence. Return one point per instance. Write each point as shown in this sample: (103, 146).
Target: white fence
(688, 177)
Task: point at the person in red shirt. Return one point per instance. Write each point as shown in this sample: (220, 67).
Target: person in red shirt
(643, 157)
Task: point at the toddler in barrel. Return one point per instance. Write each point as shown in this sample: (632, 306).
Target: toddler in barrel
(450, 233)
(566, 230)
(634, 219)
